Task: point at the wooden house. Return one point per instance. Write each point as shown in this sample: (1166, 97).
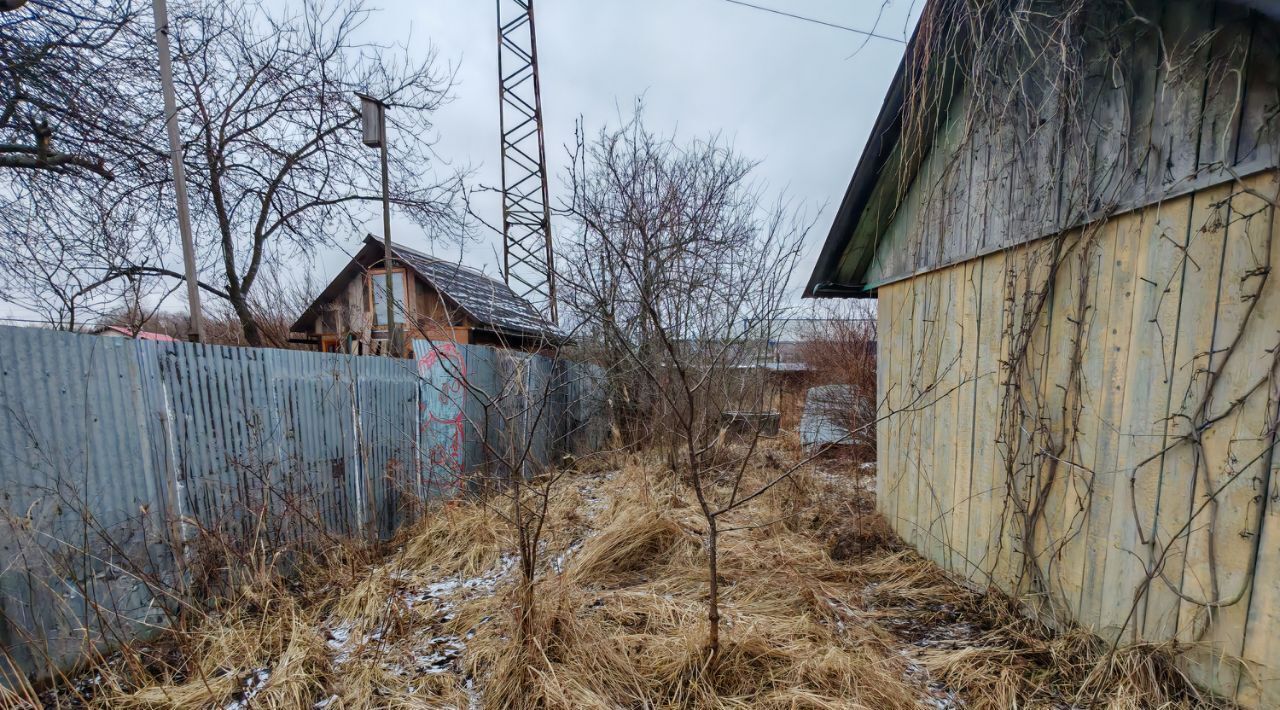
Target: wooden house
(1068, 220)
(435, 300)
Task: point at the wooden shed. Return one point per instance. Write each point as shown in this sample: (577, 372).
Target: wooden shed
(435, 299)
(1066, 210)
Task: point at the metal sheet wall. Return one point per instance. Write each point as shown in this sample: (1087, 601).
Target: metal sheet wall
(111, 450)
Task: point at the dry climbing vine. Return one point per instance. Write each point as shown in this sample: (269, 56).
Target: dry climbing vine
(1057, 98)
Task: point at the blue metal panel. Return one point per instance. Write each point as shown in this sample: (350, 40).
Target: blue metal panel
(81, 497)
(115, 454)
(442, 369)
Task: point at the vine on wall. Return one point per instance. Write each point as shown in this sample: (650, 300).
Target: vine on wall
(1055, 119)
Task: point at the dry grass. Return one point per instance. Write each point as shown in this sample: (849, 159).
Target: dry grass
(821, 606)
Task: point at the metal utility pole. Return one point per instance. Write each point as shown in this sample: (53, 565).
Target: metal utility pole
(195, 329)
(373, 119)
(527, 256)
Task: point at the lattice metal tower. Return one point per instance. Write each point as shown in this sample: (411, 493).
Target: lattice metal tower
(528, 259)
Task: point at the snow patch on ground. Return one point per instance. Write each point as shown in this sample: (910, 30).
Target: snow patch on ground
(253, 684)
(431, 650)
(430, 653)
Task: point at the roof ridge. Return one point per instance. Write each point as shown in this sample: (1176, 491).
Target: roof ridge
(397, 246)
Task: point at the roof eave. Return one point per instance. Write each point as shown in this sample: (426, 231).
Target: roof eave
(823, 282)
(352, 267)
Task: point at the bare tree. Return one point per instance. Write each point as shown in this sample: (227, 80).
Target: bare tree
(72, 84)
(274, 159)
(681, 268)
(81, 203)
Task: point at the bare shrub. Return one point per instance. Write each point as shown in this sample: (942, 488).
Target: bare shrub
(680, 267)
(838, 347)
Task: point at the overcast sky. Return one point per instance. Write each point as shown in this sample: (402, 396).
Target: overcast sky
(797, 96)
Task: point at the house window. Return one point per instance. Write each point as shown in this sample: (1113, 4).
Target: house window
(378, 283)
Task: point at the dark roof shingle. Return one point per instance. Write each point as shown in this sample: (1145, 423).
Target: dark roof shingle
(485, 299)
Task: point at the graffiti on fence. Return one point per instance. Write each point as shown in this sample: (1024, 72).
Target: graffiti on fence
(441, 423)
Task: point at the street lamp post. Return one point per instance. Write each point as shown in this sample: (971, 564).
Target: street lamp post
(373, 120)
(195, 327)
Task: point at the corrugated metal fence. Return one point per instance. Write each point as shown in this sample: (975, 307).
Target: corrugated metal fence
(115, 453)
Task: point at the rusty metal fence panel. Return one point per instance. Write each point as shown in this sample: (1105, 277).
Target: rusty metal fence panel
(116, 455)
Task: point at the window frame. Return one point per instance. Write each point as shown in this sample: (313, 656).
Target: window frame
(405, 313)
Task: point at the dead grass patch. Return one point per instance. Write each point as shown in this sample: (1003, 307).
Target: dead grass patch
(822, 608)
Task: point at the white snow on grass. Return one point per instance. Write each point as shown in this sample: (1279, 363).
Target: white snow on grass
(253, 684)
(430, 650)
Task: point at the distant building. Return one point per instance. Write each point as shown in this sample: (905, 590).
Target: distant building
(789, 335)
(435, 300)
(118, 331)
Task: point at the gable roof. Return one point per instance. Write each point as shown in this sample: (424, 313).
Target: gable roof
(487, 301)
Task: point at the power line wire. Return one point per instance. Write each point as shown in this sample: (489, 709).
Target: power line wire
(815, 21)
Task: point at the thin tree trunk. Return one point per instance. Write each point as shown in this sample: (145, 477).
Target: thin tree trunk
(713, 598)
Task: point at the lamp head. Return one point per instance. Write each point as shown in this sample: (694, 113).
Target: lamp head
(371, 115)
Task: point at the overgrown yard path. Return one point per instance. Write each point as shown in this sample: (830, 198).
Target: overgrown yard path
(821, 609)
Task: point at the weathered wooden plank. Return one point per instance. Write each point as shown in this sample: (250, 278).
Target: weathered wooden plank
(932, 370)
(1046, 423)
(1176, 130)
(884, 378)
(1028, 132)
(1228, 58)
(1259, 121)
(1161, 233)
(903, 356)
(1041, 295)
(1221, 549)
(908, 483)
(996, 200)
(945, 420)
(1003, 482)
(976, 193)
(1195, 294)
(965, 407)
(1260, 686)
(921, 414)
(1098, 128)
(1102, 372)
(984, 535)
(1142, 83)
(947, 182)
(893, 323)
(1063, 481)
(908, 419)
(1027, 330)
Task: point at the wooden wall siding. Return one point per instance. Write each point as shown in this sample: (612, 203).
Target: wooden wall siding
(1150, 128)
(1137, 330)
